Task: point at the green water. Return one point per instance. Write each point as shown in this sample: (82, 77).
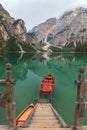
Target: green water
(28, 70)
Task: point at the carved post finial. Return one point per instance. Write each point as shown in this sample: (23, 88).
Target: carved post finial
(81, 74)
(8, 72)
(8, 66)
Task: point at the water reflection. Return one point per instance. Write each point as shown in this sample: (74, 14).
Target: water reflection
(39, 61)
(28, 70)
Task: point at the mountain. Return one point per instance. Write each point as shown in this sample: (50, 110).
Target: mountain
(43, 32)
(13, 34)
(52, 35)
(43, 29)
(65, 32)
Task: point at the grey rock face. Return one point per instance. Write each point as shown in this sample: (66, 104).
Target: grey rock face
(9, 27)
(13, 34)
(68, 30)
(71, 28)
(44, 29)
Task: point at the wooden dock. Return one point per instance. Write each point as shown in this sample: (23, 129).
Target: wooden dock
(44, 117)
(7, 128)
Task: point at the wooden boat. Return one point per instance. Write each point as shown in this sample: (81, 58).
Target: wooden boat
(47, 84)
(23, 116)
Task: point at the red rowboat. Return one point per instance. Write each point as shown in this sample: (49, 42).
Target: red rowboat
(47, 84)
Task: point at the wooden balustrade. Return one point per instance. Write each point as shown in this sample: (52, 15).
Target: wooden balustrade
(80, 104)
(7, 101)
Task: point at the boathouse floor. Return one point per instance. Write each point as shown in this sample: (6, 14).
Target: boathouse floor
(2, 127)
(44, 119)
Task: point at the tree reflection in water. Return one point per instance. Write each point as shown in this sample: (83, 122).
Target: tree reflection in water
(21, 63)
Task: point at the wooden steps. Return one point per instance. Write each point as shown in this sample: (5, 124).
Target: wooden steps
(44, 117)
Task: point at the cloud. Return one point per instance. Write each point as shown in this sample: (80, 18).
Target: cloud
(34, 12)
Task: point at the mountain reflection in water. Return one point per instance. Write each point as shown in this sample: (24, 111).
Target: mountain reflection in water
(29, 68)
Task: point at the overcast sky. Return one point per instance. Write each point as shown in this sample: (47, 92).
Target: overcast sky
(34, 12)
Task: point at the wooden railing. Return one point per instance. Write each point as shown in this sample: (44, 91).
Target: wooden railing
(80, 104)
(7, 100)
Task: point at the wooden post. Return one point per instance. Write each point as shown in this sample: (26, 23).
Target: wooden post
(10, 104)
(7, 100)
(80, 105)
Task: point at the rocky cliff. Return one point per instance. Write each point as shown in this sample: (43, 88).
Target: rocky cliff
(54, 34)
(44, 29)
(66, 31)
(13, 35)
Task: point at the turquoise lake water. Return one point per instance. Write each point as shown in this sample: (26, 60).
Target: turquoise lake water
(28, 70)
